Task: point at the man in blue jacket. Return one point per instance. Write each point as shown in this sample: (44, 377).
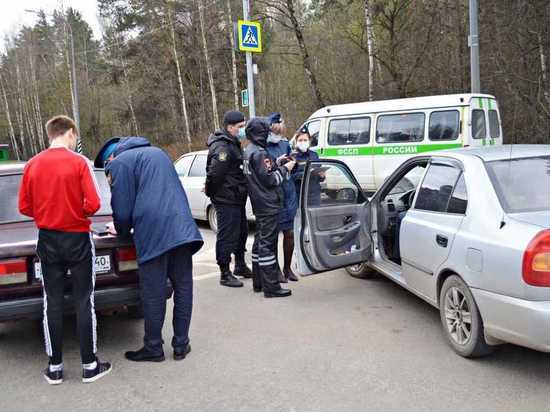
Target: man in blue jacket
(148, 200)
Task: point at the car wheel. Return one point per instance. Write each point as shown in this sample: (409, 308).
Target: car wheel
(135, 311)
(461, 320)
(361, 271)
(213, 219)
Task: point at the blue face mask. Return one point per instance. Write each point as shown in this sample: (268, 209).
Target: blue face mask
(241, 135)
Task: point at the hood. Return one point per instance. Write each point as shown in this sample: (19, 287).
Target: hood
(257, 131)
(127, 143)
(124, 143)
(541, 218)
(220, 134)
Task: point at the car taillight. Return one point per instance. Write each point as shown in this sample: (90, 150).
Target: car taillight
(127, 259)
(536, 260)
(13, 271)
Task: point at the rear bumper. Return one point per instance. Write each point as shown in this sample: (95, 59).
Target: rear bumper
(104, 299)
(521, 322)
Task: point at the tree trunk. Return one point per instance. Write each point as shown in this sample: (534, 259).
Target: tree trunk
(36, 103)
(208, 66)
(370, 48)
(319, 102)
(129, 96)
(233, 55)
(15, 145)
(180, 79)
(543, 69)
(19, 110)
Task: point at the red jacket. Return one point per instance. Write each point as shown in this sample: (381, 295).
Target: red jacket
(59, 191)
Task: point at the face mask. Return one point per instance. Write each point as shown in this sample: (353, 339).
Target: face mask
(241, 134)
(273, 138)
(302, 146)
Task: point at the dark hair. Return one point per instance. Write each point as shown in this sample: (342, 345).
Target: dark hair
(59, 125)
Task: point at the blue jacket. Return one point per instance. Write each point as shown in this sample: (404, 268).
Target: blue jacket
(290, 202)
(147, 196)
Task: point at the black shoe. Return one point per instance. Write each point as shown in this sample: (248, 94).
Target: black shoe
(143, 355)
(243, 271)
(53, 378)
(92, 375)
(181, 353)
(257, 289)
(281, 293)
(289, 274)
(227, 279)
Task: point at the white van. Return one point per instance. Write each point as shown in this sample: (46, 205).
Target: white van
(374, 138)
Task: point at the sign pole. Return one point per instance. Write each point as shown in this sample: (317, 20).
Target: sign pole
(474, 48)
(249, 69)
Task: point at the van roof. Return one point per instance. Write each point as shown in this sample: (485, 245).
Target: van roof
(425, 102)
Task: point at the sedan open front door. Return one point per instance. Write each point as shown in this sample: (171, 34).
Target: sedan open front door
(332, 226)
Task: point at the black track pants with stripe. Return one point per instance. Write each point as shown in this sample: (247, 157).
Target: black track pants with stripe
(61, 253)
(264, 253)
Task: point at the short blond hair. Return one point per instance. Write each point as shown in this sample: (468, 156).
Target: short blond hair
(59, 125)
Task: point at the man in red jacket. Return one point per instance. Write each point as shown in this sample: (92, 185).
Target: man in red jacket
(59, 191)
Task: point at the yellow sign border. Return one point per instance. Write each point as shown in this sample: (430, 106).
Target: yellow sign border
(242, 23)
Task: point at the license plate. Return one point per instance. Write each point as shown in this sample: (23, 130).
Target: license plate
(102, 264)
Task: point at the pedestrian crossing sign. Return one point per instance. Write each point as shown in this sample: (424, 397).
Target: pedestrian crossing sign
(250, 36)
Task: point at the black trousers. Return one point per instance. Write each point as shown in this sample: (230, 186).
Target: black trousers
(264, 261)
(176, 265)
(232, 234)
(59, 253)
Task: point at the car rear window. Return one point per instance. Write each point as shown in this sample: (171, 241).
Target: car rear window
(9, 187)
(520, 183)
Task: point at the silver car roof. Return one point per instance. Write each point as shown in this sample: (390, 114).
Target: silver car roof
(503, 152)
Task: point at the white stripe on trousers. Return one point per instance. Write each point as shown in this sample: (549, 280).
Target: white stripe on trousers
(92, 301)
(45, 325)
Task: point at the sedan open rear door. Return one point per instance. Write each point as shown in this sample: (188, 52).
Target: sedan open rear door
(332, 226)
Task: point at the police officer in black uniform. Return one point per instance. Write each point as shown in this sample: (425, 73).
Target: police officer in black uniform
(265, 177)
(226, 186)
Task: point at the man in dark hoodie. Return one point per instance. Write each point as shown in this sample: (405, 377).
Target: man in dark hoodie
(149, 202)
(265, 178)
(226, 187)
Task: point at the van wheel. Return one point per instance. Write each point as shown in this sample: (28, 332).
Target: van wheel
(361, 271)
(461, 320)
(212, 218)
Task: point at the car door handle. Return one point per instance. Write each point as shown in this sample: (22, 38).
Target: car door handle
(441, 240)
(347, 219)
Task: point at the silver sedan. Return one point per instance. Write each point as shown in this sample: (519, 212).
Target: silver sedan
(471, 237)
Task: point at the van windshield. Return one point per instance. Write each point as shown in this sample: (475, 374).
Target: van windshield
(520, 183)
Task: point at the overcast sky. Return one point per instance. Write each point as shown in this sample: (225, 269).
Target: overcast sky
(13, 15)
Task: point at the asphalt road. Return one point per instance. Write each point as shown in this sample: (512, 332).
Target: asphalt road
(338, 344)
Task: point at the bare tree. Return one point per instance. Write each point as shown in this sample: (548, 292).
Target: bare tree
(234, 78)
(208, 66)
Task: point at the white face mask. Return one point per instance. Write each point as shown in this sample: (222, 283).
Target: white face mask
(274, 138)
(302, 146)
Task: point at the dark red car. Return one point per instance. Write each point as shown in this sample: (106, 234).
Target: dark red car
(117, 282)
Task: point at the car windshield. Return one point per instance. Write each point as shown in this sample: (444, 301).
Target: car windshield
(520, 183)
(9, 187)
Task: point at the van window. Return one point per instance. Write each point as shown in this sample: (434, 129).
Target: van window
(399, 128)
(444, 125)
(479, 129)
(349, 131)
(314, 127)
(437, 187)
(199, 167)
(182, 165)
(494, 125)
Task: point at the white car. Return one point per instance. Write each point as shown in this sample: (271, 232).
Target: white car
(191, 168)
(471, 237)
